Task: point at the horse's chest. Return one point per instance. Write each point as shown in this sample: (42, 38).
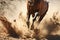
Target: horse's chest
(39, 7)
(34, 8)
(42, 7)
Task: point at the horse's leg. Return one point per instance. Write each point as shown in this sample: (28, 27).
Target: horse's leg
(32, 26)
(28, 17)
(35, 17)
(41, 17)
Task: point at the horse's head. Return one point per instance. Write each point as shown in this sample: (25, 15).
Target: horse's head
(32, 2)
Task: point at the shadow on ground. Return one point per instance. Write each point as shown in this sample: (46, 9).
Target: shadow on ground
(51, 37)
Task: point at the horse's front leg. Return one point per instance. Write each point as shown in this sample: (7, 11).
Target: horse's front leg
(32, 26)
(35, 16)
(28, 17)
(41, 17)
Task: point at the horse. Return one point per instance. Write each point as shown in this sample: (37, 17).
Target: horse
(34, 6)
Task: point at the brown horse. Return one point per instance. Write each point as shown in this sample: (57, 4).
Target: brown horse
(34, 6)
